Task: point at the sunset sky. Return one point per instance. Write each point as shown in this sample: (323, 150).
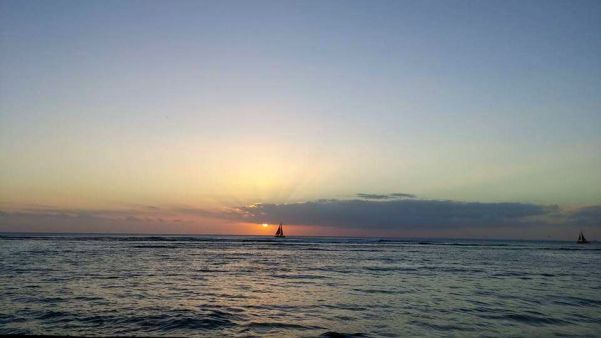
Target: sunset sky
(382, 118)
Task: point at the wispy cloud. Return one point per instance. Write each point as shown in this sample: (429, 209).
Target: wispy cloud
(396, 195)
(403, 195)
(138, 219)
(587, 216)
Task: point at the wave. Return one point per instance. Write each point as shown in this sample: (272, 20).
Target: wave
(279, 325)
(334, 334)
(15, 331)
(528, 319)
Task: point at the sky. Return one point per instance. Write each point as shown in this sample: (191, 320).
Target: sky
(483, 117)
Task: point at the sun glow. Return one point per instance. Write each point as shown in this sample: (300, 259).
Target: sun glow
(265, 225)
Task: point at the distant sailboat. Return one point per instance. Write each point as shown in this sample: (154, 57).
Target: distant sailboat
(581, 239)
(280, 232)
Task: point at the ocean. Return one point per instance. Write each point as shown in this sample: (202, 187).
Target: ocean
(123, 285)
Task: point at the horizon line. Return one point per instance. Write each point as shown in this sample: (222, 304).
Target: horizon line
(288, 236)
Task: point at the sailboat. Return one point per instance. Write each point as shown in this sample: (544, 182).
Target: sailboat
(581, 239)
(280, 232)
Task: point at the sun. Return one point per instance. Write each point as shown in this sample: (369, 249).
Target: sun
(265, 225)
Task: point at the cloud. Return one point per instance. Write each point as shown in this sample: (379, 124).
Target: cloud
(403, 195)
(131, 219)
(384, 196)
(586, 216)
(373, 196)
(367, 214)
(395, 214)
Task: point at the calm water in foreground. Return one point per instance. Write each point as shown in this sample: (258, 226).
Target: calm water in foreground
(253, 286)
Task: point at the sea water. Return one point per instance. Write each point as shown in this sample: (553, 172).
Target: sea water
(95, 285)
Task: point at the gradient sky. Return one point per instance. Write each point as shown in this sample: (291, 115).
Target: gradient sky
(176, 112)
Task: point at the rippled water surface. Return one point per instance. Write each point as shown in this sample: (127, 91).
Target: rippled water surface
(253, 286)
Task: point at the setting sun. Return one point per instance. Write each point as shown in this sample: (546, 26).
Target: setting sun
(265, 225)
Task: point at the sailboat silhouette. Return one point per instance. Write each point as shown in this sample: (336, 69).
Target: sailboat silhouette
(581, 239)
(280, 232)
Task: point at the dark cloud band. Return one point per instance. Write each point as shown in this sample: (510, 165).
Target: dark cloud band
(396, 214)
(370, 211)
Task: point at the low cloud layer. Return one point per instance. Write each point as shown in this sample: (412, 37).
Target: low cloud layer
(380, 213)
(131, 219)
(397, 213)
